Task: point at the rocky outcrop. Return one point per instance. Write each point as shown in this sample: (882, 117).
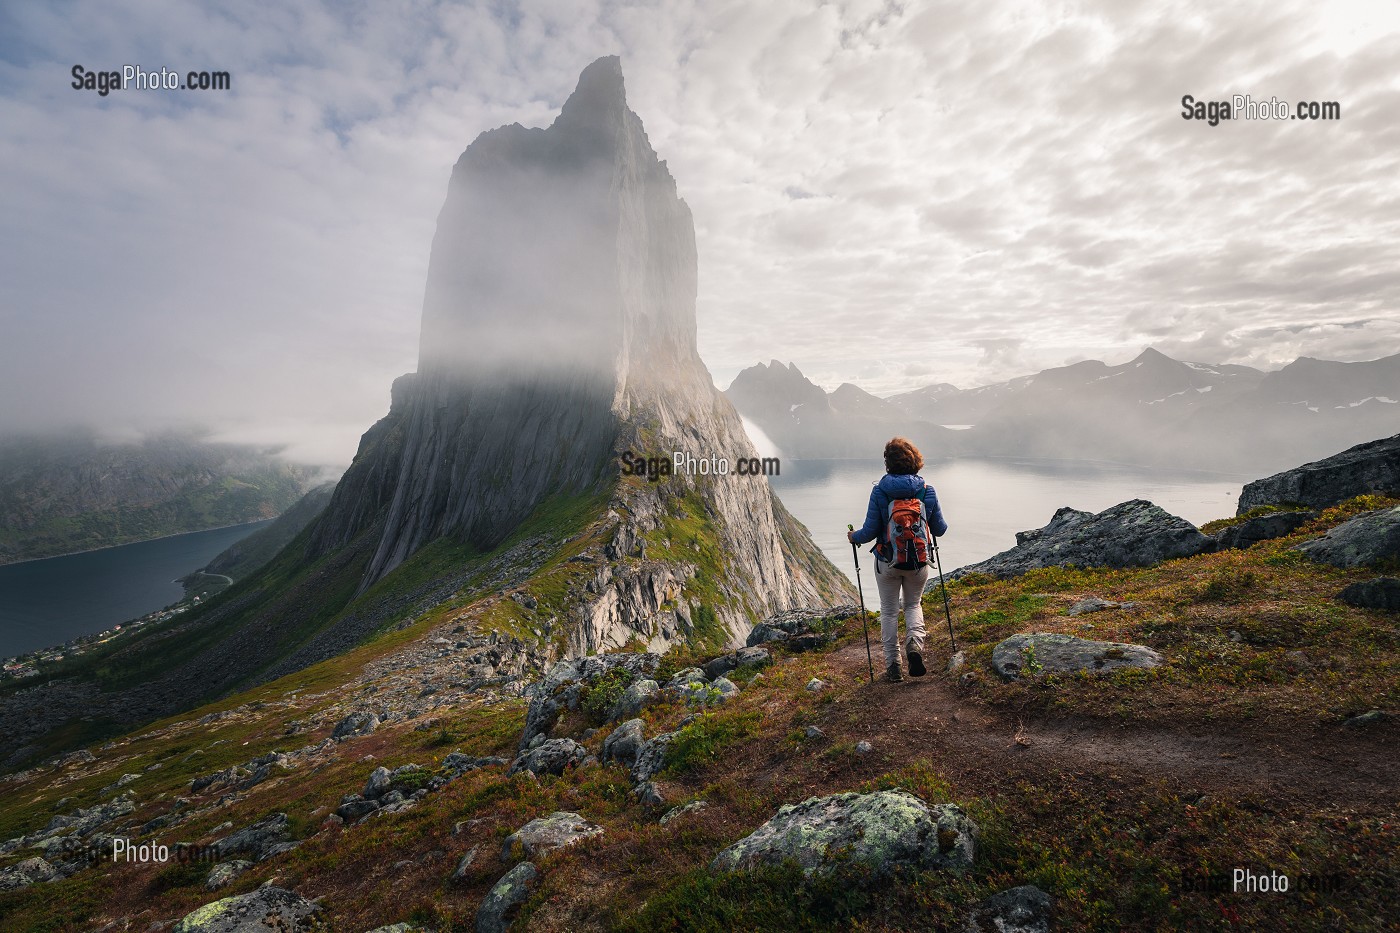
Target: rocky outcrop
(623, 743)
(267, 908)
(558, 334)
(884, 831)
(1373, 467)
(1261, 528)
(1048, 653)
(1130, 534)
(1380, 593)
(1365, 540)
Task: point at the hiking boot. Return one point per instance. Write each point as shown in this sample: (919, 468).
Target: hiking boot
(893, 674)
(916, 663)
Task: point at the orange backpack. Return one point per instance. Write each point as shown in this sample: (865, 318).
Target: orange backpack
(906, 528)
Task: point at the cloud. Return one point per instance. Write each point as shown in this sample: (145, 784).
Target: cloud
(890, 194)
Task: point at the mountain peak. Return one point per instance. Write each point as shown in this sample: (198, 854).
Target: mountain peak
(599, 91)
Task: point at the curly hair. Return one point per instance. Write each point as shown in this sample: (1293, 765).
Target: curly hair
(901, 456)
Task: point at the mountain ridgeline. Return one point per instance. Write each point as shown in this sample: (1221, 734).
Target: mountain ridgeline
(1153, 410)
(558, 333)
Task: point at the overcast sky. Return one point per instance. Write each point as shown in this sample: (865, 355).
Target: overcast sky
(889, 194)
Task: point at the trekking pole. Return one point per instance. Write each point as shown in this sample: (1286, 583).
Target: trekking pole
(947, 610)
(864, 621)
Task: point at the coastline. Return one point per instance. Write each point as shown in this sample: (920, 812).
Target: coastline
(108, 547)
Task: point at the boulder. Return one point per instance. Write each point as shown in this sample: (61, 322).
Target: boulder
(464, 863)
(1094, 604)
(633, 700)
(547, 833)
(725, 663)
(1367, 539)
(1261, 528)
(255, 912)
(226, 873)
(260, 840)
(764, 633)
(539, 718)
(378, 783)
(23, 874)
(1131, 534)
(1369, 468)
(494, 914)
(1380, 593)
(884, 831)
(357, 723)
(1044, 652)
(1025, 909)
(622, 743)
(691, 675)
(648, 794)
(354, 807)
(651, 757)
(550, 757)
(678, 812)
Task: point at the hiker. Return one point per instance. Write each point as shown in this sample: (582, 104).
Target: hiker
(892, 503)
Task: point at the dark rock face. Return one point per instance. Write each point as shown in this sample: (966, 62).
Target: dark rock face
(1365, 540)
(884, 831)
(1045, 652)
(1372, 467)
(1380, 593)
(1130, 534)
(558, 333)
(1261, 528)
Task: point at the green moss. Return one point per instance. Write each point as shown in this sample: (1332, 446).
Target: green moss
(701, 742)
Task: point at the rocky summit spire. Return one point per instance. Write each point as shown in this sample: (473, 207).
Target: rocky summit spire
(559, 333)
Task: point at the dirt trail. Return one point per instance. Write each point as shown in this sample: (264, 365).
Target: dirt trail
(1323, 765)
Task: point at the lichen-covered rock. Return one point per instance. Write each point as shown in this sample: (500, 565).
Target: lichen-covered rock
(1373, 467)
(1025, 909)
(884, 831)
(255, 912)
(651, 757)
(1261, 528)
(225, 873)
(1048, 653)
(378, 783)
(677, 812)
(623, 743)
(547, 833)
(1380, 593)
(494, 914)
(550, 757)
(634, 699)
(1365, 540)
(1131, 534)
(23, 874)
(357, 723)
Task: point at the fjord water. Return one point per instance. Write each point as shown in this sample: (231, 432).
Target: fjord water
(47, 602)
(985, 502)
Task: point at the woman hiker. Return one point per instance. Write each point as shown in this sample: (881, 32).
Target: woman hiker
(900, 482)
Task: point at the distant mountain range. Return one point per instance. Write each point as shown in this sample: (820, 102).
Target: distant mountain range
(73, 492)
(1152, 409)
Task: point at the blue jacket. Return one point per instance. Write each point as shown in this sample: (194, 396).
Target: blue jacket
(899, 486)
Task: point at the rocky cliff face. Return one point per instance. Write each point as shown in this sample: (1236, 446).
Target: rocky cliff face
(558, 333)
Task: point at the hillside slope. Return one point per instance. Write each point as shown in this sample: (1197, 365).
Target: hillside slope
(1129, 798)
(72, 493)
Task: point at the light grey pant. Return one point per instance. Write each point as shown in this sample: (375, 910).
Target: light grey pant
(906, 588)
